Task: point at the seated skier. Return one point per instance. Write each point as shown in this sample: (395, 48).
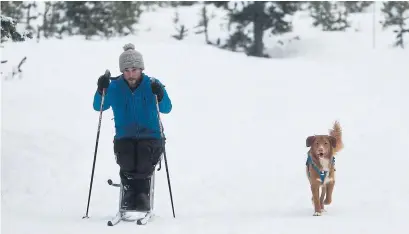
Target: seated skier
(138, 140)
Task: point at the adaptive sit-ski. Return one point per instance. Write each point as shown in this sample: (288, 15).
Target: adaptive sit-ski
(121, 215)
(128, 192)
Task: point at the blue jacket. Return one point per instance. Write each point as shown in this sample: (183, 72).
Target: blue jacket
(135, 113)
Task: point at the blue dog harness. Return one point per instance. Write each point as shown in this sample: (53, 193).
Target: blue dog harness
(322, 174)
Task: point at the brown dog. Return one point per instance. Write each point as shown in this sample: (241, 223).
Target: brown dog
(320, 166)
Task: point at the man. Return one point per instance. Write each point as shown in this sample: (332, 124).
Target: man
(138, 142)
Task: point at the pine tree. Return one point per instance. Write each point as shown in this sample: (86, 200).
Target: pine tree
(8, 30)
(12, 9)
(104, 19)
(253, 19)
(87, 18)
(203, 24)
(356, 6)
(31, 13)
(124, 16)
(182, 3)
(397, 16)
(54, 21)
(181, 30)
(331, 16)
(23, 13)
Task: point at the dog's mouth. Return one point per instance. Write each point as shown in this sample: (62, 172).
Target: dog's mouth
(321, 155)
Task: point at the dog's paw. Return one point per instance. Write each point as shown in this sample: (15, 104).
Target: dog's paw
(317, 214)
(327, 201)
(323, 210)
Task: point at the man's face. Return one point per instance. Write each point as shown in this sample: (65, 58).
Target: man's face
(132, 75)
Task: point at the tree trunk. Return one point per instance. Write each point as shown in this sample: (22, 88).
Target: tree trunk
(258, 24)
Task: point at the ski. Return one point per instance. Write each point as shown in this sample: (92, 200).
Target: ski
(121, 215)
(144, 220)
(115, 220)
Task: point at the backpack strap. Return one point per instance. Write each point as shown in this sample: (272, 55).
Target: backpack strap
(153, 79)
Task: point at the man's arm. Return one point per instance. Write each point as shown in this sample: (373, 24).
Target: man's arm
(98, 100)
(158, 89)
(165, 105)
(103, 83)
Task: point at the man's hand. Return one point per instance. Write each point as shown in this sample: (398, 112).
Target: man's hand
(103, 81)
(157, 89)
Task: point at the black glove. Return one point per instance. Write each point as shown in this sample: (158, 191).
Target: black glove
(103, 81)
(157, 89)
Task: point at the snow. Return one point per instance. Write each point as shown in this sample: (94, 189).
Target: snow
(236, 134)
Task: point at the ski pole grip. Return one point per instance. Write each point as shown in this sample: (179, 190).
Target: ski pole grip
(107, 73)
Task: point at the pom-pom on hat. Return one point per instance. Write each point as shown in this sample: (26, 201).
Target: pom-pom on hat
(130, 58)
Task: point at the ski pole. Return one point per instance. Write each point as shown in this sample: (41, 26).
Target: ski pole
(170, 189)
(164, 155)
(107, 74)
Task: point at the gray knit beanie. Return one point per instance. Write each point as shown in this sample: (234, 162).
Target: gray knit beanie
(130, 58)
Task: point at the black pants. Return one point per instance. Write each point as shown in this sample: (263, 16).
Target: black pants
(137, 160)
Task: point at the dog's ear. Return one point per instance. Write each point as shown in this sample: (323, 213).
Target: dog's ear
(310, 140)
(333, 141)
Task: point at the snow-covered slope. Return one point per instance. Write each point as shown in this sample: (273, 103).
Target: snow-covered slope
(236, 136)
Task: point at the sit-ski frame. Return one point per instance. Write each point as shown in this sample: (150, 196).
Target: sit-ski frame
(121, 214)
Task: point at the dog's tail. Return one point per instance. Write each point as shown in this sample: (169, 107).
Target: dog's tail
(336, 132)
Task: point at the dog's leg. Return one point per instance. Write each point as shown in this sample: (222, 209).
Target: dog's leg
(323, 193)
(308, 177)
(316, 198)
(330, 189)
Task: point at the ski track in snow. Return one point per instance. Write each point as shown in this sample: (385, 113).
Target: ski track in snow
(236, 135)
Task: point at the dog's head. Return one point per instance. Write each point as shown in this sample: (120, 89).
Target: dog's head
(321, 145)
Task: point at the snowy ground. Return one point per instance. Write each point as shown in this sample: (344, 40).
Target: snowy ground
(236, 136)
